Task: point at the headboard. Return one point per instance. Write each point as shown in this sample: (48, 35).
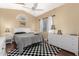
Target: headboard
(26, 30)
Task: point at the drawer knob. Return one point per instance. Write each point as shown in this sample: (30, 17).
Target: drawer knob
(2, 48)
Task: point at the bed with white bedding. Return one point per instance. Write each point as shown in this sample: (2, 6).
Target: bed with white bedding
(24, 39)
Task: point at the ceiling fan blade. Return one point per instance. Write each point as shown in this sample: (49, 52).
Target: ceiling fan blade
(32, 8)
(35, 6)
(27, 7)
(21, 3)
(39, 9)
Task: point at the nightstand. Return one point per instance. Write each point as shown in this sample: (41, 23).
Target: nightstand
(9, 38)
(10, 44)
(10, 47)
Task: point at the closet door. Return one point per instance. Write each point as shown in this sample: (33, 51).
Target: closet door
(2, 46)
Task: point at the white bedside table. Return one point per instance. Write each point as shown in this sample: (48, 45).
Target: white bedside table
(9, 38)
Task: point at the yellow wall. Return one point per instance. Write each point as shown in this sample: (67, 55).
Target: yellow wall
(0, 27)
(8, 20)
(66, 18)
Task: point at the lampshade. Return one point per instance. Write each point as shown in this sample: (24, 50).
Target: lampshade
(53, 27)
(59, 32)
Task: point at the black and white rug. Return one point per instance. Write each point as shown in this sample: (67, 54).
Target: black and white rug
(38, 49)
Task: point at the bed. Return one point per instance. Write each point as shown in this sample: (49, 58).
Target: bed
(24, 39)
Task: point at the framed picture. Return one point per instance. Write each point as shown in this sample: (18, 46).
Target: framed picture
(22, 23)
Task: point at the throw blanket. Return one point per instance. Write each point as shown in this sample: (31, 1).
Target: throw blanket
(23, 40)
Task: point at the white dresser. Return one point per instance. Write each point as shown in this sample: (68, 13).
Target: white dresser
(2, 46)
(66, 42)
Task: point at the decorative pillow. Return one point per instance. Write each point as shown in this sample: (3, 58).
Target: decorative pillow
(20, 32)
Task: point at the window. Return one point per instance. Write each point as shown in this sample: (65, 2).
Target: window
(43, 25)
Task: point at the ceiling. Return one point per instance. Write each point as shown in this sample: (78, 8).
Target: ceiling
(44, 6)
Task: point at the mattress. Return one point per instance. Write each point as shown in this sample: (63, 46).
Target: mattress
(23, 40)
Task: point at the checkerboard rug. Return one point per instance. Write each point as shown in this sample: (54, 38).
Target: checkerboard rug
(38, 49)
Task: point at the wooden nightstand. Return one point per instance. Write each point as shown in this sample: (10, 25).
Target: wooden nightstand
(10, 44)
(10, 47)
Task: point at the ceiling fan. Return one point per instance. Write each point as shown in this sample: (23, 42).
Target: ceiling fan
(34, 7)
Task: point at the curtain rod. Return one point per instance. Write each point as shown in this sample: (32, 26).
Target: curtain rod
(51, 15)
(47, 17)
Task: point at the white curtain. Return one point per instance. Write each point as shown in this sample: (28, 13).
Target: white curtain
(50, 23)
(41, 25)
